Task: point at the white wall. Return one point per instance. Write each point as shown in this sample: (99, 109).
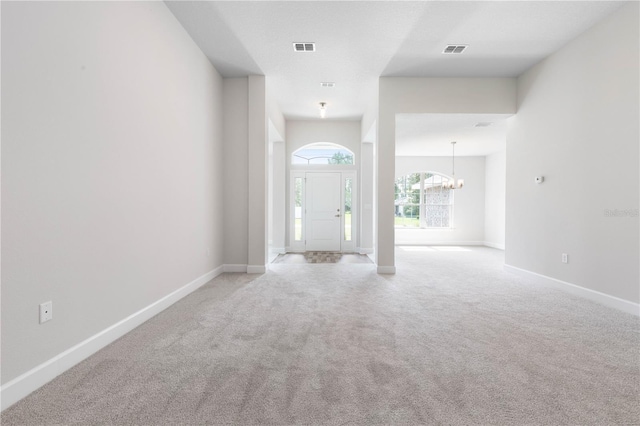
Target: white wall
(578, 126)
(469, 202)
(399, 95)
(274, 114)
(111, 167)
(301, 133)
(236, 172)
(494, 205)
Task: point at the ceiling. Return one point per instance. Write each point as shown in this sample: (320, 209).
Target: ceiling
(359, 41)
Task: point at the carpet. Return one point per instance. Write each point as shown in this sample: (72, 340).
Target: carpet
(450, 339)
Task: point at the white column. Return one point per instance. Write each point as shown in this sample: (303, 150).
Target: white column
(279, 196)
(385, 167)
(366, 197)
(257, 180)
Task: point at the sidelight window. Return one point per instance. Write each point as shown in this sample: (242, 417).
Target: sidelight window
(298, 209)
(348, 184)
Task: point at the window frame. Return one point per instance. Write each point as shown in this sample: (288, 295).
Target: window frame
(327, 145)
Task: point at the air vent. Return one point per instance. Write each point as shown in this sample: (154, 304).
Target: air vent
(455, 48)
(304, 47)
(483, 124)
(328, 84)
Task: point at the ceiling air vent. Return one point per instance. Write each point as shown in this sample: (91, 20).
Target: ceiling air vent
(304, 47)
(328, 84)
(455, 48)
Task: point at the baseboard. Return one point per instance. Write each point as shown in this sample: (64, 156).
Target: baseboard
(494, 245)
(363, 250)
(23, 385)
(234, 267)
(386, 269)
(441, 243)
(256, 269)
(274, 252)
(593, 295)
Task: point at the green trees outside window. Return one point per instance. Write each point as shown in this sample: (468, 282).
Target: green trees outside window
(421, 201)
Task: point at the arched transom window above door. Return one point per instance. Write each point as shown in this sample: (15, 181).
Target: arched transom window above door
(323, 153)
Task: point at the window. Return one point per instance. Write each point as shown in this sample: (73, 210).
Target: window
(322, 153)
(347, 208)
(298, 209)
(422, 202)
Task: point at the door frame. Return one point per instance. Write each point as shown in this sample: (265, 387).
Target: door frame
(299, 246)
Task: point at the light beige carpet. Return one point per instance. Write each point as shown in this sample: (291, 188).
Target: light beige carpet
(451, 339)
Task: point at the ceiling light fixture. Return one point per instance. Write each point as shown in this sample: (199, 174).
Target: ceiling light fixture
(323, 109)
(452, 183)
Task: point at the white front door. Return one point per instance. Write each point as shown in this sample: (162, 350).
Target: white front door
(323, 211)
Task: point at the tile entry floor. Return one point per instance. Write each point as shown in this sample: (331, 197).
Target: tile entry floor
(322, 257)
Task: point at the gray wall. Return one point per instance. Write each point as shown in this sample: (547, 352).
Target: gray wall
(111, 167)
(577, 125)
(236, 175)
(494, 204)
(249, 110)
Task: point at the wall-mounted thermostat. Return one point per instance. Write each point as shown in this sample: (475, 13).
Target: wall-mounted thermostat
(539, 179)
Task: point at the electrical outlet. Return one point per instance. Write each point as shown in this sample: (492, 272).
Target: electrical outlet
(565, 258)
(46, 311)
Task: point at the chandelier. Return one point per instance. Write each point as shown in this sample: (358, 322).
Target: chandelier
(453, 183)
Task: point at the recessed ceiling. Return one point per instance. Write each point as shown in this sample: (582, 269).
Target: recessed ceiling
(356, 42)
(431, 134)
